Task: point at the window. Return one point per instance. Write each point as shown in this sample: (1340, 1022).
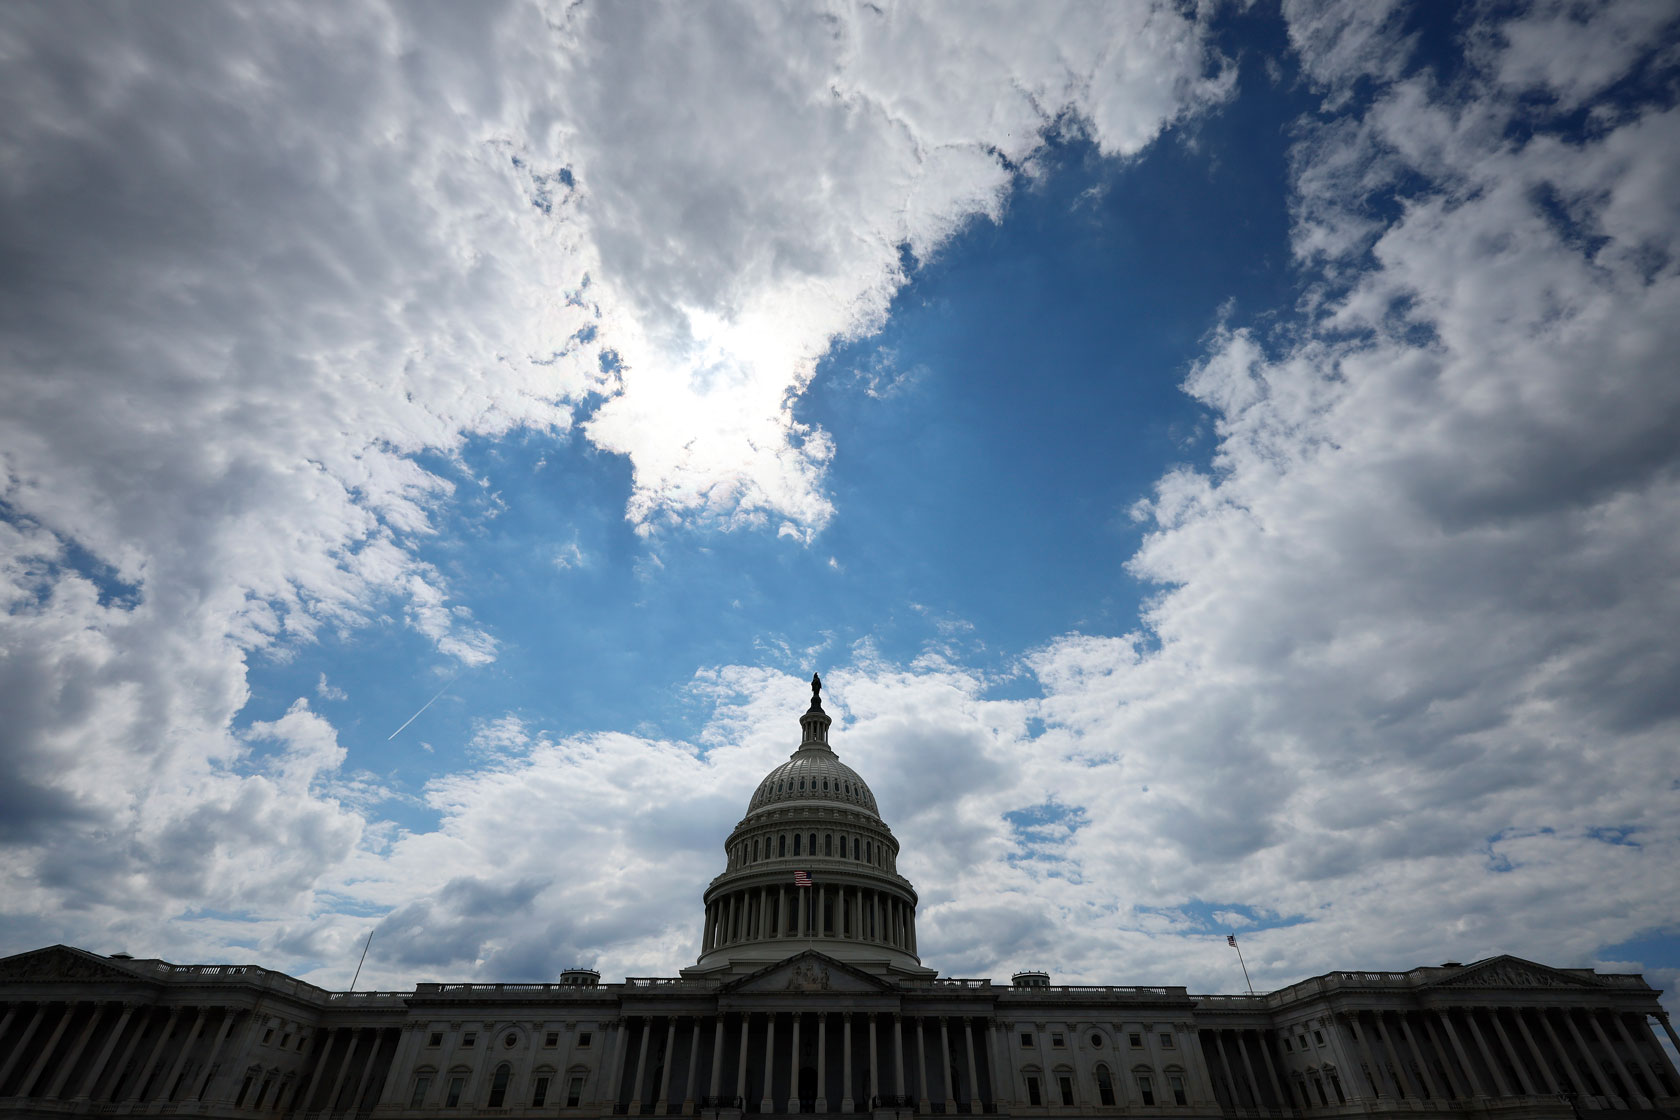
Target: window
(1322, 1098)
(510, 1040)
(755, 851)
(855, 847)
(781, 846)
(1287, 1048)
(551, 1039)
(868, 856)
(1318, 1037)
(574, 1092)
(435, 1039)
(1166, 1041)
(456, 1084)
(539, 1092)
(813, 843)
(796, 839)
(1135, 1041)
(828, 844)
(1105, 1087)
(1176, 1084)
(1057, 1039)
(285, 1040)
(1096, 1041)
(1146, 1090)
(583, 1040)
(417, 1099)
(1065, 1083)
(1303, 1039)
(498, 1087)
(1033, 1095)
(469, 1039)
(1026, 1039)
(268, 1036)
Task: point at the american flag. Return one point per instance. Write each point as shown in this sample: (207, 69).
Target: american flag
(801, 879)
(1231, 940)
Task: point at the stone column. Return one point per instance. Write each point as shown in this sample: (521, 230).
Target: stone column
(1374, 1075)
(822, 1061)
(1225, 1065)
(402, 1064)
(11, 1012)
(1648, 1041)
(1632, 1087)
(193, 1036)
(1421, 1058)
(641, 1067)
(17, 1051)
(717, 1058)
(781, 912)
(768, 1104)
(1444, 1015)
(1500, 1081)
(1668, 1028)
(693, 1060)
(793, 1066)
(36, 1070)
(874, 1077)
(1248, 1068)
(98, 1070)
(1586, 1052)
(898, 1056)
(1576, 1083)
(922, 1104)
(95, 1012)
(945, 1064)
(361, 1084)
(741, 1066)
(846, 1102)
(330, 1105)
(223, 1029)
(662, 1102)
(1270, 1063)
(998, 1067)
(1524, 1082)
(1534, 1051)
(136, 1032)
(973, 1070)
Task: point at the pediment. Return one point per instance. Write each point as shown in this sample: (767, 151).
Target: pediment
(810, 971)
(1511, 972)
(61, 962)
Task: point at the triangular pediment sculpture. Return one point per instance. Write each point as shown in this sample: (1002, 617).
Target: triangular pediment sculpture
(61, 962)
(809, 971)
(1511, 972)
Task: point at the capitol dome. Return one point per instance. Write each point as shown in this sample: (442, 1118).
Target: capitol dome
(810, 866)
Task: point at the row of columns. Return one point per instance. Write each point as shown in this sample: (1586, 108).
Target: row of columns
(763, 913)
(962, 1080)
(112, 1072)
(363, 1047)
(1424, 1054)
(1526, 1051)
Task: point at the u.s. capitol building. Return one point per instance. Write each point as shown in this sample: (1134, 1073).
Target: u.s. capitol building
(809, 996)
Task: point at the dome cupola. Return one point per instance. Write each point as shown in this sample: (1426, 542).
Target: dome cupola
(810, 866)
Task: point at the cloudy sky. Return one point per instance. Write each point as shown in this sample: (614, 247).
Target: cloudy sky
(1222, 458)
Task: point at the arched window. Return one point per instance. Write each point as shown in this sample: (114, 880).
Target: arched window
(499, 1086)
(828, 844)
(1146, 1087)
(796, 843)
(825, 785)
(1105, 1087)
(813, 843)
(802, 784)
(867, 856)
(781, 845)
(855, 848)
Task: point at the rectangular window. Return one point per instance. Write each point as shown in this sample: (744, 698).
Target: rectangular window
(1135, 1041)
(1065, 1083)
(268, 1036)
(456, 1084)
(1026, 1040)
(1318, 1037)
(435, 1039)
(583, 1040)
(1146, 1090)
(574, 1092)
(539, 1092)
(285, 1040)
(1303, 1039)
(417, 1099)
(1166, 1041)
(1033, 1096)
(551, 1039)
(1287, 1048)
(1176, 1084)
(469, 1039)
(1057, 1040)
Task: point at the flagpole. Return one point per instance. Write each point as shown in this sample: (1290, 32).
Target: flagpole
(359, 963)
(1231, 940)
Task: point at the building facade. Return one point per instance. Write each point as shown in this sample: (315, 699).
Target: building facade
(809, 997)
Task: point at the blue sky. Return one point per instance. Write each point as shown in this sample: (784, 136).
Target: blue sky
(1222, 462)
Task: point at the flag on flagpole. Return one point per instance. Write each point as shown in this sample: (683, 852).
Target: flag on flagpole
(801, 879)
(1231, 940)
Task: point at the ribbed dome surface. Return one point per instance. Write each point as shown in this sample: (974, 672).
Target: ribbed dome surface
(813, 775)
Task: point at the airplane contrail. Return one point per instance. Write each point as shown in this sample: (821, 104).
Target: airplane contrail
(424, 706)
